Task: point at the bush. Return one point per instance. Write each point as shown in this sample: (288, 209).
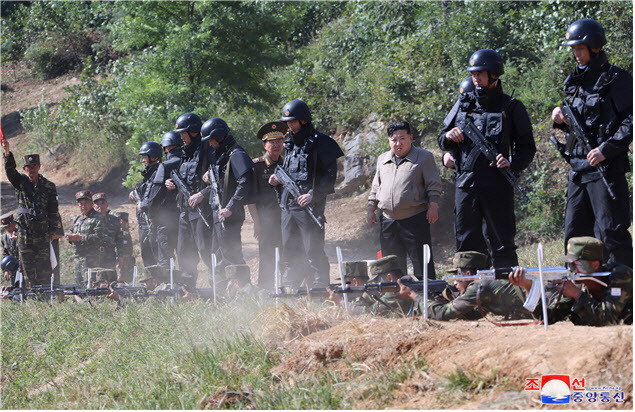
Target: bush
(48, 59)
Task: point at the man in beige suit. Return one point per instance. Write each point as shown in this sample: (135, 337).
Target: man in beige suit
(406, 189)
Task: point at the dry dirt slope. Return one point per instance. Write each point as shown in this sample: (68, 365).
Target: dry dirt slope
(502, 356)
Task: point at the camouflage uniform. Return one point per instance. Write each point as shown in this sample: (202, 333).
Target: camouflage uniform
(494, 296)
(9, 244)
(126, 251)
(113, 243)
(88, 250)
(615, 303)
(242, 275)
(481, 297)
(386, 304)
(38, 218)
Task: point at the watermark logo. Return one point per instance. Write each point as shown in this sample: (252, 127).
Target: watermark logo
(555, 389)
(563, 389)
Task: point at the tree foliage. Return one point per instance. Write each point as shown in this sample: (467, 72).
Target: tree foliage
(146, 62)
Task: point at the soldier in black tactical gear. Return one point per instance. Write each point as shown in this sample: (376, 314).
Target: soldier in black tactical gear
(311, 161)
(235, 184)
(151, 153)
(484, 199)
(601, 94)
(160, 203)
(194, 237)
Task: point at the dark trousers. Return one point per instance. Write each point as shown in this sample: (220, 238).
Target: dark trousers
(406, 237)
(270, 239)
(485, 216)
(590, 211)
(167, 228)
(297, 225)
(194, 240)
(227, 245)
(147, 244)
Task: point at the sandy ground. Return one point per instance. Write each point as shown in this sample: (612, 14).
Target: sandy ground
(603, 356)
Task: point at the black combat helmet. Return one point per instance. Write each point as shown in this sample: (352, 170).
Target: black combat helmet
(215, 128)
(9, 263)
(296, 110)
(171, 138)
(152, 149)
(486, 59)
(585, 31)
(188, 122)
(466, 86)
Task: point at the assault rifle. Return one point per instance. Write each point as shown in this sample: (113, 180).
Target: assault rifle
(216, 191)
(42, 291)
(317, 292)
(144, 215)
(548, 273)
(576, 131)
(292, 187)
(434, 286)
(183, 190)
(489, 151)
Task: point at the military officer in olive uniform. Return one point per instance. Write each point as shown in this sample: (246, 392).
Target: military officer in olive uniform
(477, 298)
(311, 161)
(39, 221)
(88, 235)
(601, 94)
(265, 210)
(114, 250)
(484, 199)
(160, 203)
(126, 271)
(9, 241)
(235, 184)
(195, 237)
(151, 154)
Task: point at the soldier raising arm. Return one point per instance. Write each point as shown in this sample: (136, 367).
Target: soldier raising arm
(37, 215)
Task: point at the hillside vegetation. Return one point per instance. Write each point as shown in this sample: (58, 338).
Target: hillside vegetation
(144, 63)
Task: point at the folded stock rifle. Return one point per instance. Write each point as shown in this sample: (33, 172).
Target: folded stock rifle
(216, 192)
(434, 286)
(186, 193)
(549, 274)
(488, 149)
(294, 190)
(577, 132)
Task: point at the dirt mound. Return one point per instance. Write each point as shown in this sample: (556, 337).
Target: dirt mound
(496, 357)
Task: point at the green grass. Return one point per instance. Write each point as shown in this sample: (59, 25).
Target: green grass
(157, 355)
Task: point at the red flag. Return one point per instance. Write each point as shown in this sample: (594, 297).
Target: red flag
(379, 256)
(2, 138)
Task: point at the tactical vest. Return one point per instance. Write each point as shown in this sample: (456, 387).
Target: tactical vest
(493, 122)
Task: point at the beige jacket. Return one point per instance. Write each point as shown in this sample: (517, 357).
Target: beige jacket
(405, 190)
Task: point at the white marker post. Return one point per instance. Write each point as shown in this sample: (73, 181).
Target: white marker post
(134, 276)
(214, 276)
(543, 298)
(426, 260)
(342, 277)
(276, 276)
(21, 279)
(90, 278)
(52, 279)
(172, 280)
